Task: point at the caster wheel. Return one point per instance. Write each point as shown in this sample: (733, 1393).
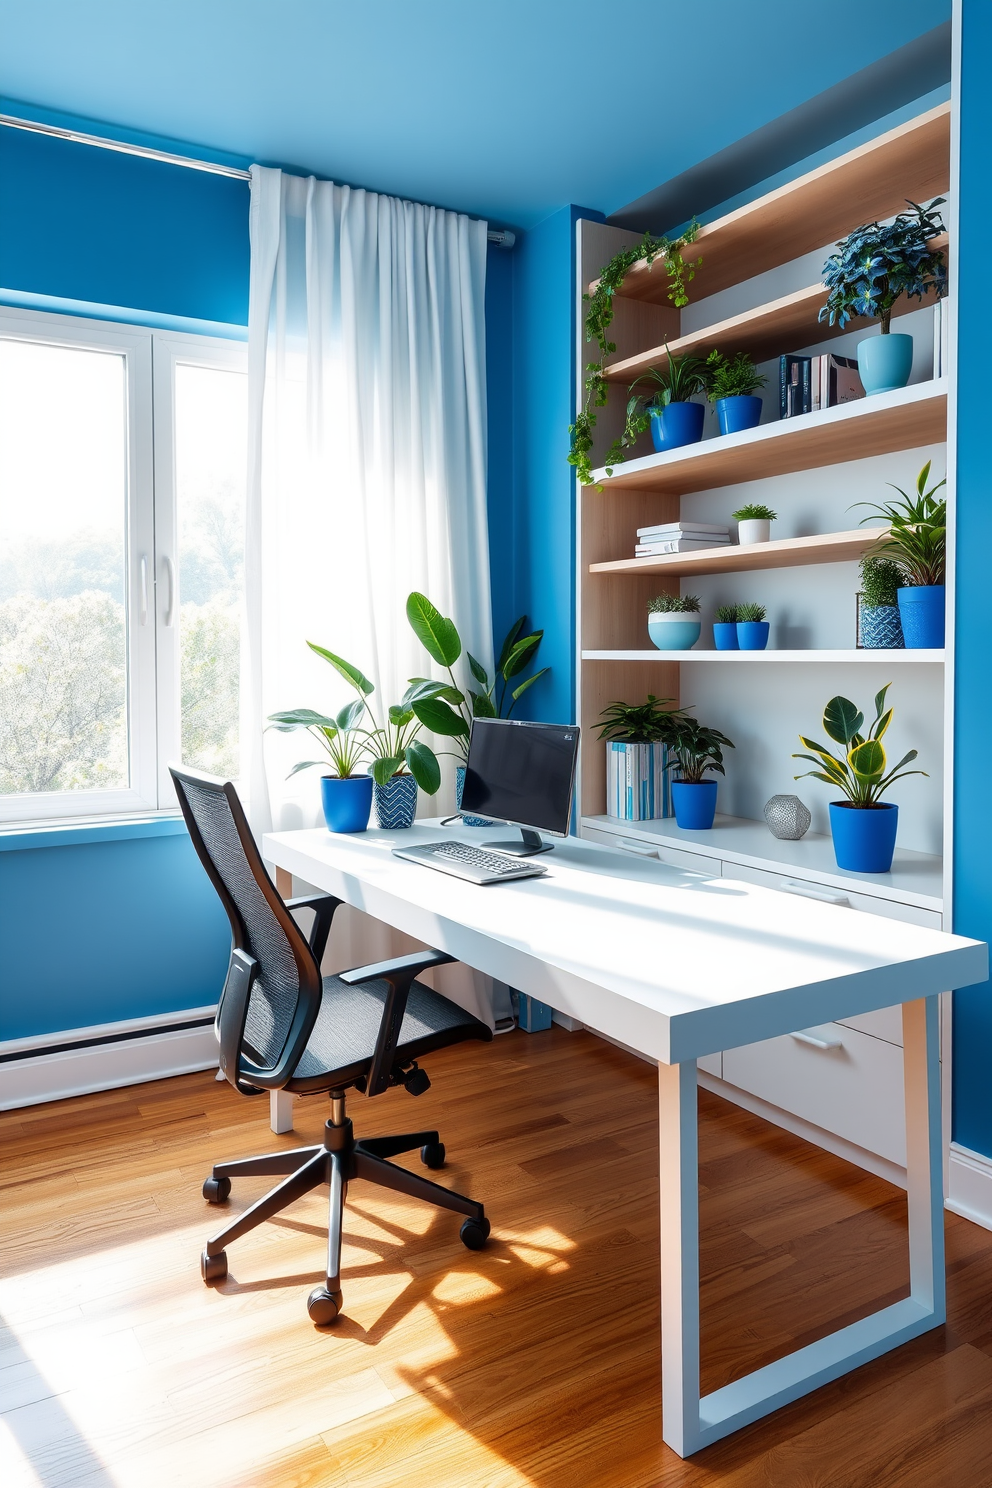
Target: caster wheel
(474, 1233)
(323, 1306)
(432, 1156)
(213, 1268)
(216, 1190)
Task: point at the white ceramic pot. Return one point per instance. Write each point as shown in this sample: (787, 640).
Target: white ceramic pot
(754, 531)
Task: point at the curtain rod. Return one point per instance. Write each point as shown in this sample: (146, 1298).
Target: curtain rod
(189, 162)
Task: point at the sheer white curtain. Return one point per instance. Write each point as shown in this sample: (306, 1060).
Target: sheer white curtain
(367, 467)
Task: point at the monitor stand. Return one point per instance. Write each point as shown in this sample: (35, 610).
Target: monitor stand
(530, 845)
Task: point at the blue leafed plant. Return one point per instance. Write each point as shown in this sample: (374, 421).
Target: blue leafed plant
(877, 263)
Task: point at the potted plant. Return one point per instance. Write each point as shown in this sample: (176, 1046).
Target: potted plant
(916, 542)
(400, 761)
(871, 269)
(345, 793)
(879, 626)
(863, 826)
(754, 522)
(674, 420)
(448, 709)
(734, 383)
(694, 751)
(725, 628)
(637, 737)
(673, 621)
(752, 627)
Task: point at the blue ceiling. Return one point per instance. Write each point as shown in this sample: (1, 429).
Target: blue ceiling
(505, 110)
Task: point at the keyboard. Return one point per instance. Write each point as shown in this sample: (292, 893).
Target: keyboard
(462, 860)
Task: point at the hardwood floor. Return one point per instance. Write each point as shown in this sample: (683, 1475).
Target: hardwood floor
(534, 1362)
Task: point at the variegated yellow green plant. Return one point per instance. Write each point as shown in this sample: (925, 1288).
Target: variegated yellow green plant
(862, 774)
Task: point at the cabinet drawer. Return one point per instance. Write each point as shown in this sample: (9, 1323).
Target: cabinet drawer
(890, 909)
(854, 1089)
(677, 857)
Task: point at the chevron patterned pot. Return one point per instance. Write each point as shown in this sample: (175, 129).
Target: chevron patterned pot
(395, 802)
(881, 628)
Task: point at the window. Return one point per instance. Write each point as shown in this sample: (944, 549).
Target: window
(122, 497)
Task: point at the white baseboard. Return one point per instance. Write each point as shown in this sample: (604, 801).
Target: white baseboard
(969, 1186)
(104, 1058)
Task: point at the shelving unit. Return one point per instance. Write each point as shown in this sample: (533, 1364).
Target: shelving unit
(790, 552)
(793, 657)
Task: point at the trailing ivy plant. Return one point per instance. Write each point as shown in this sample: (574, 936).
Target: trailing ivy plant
(599, 318)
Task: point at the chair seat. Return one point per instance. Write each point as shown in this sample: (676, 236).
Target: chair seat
(342, 1044)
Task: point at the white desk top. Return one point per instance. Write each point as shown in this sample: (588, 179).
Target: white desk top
(673, 963)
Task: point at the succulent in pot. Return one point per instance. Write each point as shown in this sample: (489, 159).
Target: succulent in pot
(873, 267)
(673, 621)
(754, 522)
(734, 383)
(916, 541)
(752, 627)
(725, 628)
(879, 626)
(863, 826)
(696, 751)
(637, 737)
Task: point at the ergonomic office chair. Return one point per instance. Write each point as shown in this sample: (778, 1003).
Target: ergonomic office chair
(281, 1025)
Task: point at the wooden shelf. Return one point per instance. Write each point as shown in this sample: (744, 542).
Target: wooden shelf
(803, 658)
(789, 552)
(870, 182)
(877, 425)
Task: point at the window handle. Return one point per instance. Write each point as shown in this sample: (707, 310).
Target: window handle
(143, 581)
(170, 604)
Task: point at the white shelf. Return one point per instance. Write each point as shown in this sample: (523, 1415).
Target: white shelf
(739, 658)
(915, 877)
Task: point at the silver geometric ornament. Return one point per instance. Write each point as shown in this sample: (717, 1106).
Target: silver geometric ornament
(787, 817)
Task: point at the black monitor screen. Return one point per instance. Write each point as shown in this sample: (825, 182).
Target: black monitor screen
(522, 773)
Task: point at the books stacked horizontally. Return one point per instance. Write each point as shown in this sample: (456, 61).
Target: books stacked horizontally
(807, 384)
(679, 537)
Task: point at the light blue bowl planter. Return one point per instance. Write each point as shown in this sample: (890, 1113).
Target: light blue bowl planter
(470, 821)
(734, 415)
(695, 805)
(885, 362)
(921, 610)
(395, 802)
(752, 635)
(881, 628)
(347, 803)
(677, 424)
(864, 836)
(674, 632)
(725, 635)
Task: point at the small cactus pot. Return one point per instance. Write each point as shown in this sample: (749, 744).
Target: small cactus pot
(881, 628)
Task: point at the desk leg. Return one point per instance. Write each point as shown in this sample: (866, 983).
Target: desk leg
(691, 1422)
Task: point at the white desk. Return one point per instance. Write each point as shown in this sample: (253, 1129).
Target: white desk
(678, 965)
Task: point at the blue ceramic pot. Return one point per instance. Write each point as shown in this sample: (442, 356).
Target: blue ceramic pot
(674, 632)
(725, 635)
(881, 628)
(695, 805)
(885, 362)
(346, 803)
(677, 424)
(395, 802)
(864, 836)
(737, 414)
(470, 821)
(921, 610)
(752, 635)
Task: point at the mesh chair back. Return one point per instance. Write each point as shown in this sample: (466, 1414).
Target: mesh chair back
(260, 923)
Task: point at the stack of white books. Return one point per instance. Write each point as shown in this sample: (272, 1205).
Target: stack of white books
(679, 537)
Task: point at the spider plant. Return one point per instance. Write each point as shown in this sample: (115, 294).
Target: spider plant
(338, 736)
(861, 773)
(916, 538)
(675, 382)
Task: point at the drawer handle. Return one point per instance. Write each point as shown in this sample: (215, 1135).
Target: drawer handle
(812, 891)
(642, 849)
(823, 1037)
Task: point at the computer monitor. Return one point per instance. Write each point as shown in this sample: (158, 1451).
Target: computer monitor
(522, 773)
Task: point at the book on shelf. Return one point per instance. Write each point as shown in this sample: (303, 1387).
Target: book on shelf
(681, 529)
(679, 545)
(795, 387)
(638, 787)
(834, 379)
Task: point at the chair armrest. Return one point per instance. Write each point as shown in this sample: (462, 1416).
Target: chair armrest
(232, 1014)
(400, 974)
(323, 906)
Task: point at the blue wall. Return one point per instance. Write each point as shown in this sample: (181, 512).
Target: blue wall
(972, 1121)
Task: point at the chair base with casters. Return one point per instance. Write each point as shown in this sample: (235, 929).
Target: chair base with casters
(337, 1161)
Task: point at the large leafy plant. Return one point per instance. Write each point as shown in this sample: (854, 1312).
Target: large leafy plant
(917, 537)
(862, 771)
(878, 263)
(444, 707)
(653, 722)
(599, 318)
(696, 749)
(391, 743)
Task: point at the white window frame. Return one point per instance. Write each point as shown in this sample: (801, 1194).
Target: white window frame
(151, 577)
